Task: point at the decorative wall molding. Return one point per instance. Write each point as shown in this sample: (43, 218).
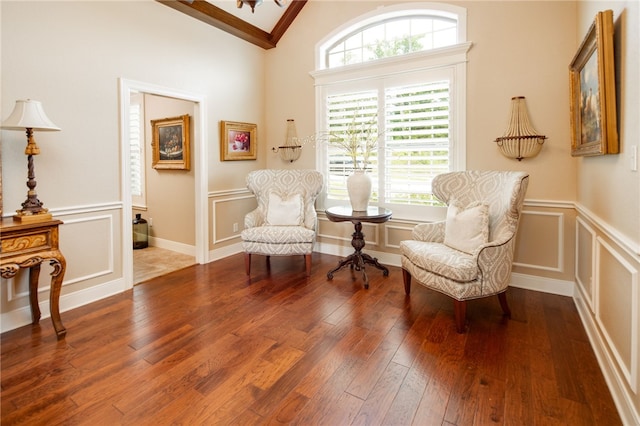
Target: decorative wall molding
(560, 242)
(587, 289)
(13, 283)
(229, 192)
(628, 245)
(622, 399)
(89, 208)
(629, 370)
(234, 195)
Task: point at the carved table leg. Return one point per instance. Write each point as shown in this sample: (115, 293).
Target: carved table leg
(34, 275)
(59, 264)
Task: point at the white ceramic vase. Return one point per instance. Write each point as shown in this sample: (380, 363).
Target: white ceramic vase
(359, 189)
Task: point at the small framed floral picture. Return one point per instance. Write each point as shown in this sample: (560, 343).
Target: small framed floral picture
(238, 141)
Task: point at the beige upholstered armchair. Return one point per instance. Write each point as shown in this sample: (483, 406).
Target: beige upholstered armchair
(469, 255)
(285, 221)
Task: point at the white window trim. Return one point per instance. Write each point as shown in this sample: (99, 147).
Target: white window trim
(405, 9)
(453, 58)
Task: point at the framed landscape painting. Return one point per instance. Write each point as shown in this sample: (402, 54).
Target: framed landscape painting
(593, 92)
(238, 141)
(171, 143)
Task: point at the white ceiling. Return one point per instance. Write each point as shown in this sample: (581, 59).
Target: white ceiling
(265, 17)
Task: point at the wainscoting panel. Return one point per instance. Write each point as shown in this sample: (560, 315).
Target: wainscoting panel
(228, 210)
(540, 243)
(90, 240)
(617, 308)
(585, 249)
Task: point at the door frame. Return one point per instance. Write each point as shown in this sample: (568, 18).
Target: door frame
(200, 155)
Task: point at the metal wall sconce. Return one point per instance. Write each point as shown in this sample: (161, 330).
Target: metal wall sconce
(520, 140)
(291, 149)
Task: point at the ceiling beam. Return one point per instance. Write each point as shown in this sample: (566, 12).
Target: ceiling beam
(212, 15)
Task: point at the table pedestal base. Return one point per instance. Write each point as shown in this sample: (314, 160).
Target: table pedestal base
(358, 259)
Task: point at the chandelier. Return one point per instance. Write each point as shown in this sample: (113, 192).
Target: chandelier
(253, 3)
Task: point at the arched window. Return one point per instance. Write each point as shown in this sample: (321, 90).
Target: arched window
(394, 36)
(402, 71)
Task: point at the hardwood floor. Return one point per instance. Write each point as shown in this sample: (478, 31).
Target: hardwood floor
(206, 345)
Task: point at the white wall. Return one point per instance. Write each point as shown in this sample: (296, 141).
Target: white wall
(70, 56)
(608, 226)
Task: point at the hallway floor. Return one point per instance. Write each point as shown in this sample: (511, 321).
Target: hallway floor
(153, 262)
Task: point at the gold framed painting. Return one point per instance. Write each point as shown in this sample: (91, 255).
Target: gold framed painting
(171, 143)
(593, 92)
(238, 141)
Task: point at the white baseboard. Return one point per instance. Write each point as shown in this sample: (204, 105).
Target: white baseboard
(542, 284)
(172, 245)
(22, 316)
(225, 251)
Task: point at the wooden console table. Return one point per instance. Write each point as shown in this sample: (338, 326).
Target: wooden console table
(358, 259)
(28, 245)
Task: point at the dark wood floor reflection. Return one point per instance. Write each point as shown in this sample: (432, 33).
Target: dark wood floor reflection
(206, 345)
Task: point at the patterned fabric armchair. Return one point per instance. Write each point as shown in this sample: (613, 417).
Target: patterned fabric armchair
(285, 221)
(469, 255)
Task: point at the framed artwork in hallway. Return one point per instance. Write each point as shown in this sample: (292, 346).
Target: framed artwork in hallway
(171, 147)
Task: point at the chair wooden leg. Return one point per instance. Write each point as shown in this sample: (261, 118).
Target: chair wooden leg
(247, 263)
(307, 262)
(503, 303)
(460, 308)
(406, 278)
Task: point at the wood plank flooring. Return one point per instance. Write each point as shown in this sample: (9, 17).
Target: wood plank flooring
(206, 345)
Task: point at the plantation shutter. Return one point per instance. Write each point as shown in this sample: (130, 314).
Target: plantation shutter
(136, 150)
(341, 110)
(416, 141)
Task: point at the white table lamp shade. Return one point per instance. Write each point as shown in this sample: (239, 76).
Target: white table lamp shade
(28, 114)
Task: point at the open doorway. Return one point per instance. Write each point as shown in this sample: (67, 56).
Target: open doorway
(177, 200)
(162, 184)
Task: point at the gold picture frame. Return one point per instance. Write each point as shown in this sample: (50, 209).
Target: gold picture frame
(238, 141)
(171, 143)
(593, 92)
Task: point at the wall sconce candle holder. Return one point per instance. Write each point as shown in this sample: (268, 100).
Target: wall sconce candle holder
(520, 140)
(291, 149)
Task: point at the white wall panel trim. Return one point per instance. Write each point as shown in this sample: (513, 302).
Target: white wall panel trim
(89, 208)
(215, 203)
(582, 286)
(555, 204)
(560, 242)
(630, 372)
(229, 192)
(628, 245)
(621, 398)
(11, 290)
(398, 228)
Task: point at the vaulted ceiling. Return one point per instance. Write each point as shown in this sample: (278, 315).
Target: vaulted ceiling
(263, 27)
